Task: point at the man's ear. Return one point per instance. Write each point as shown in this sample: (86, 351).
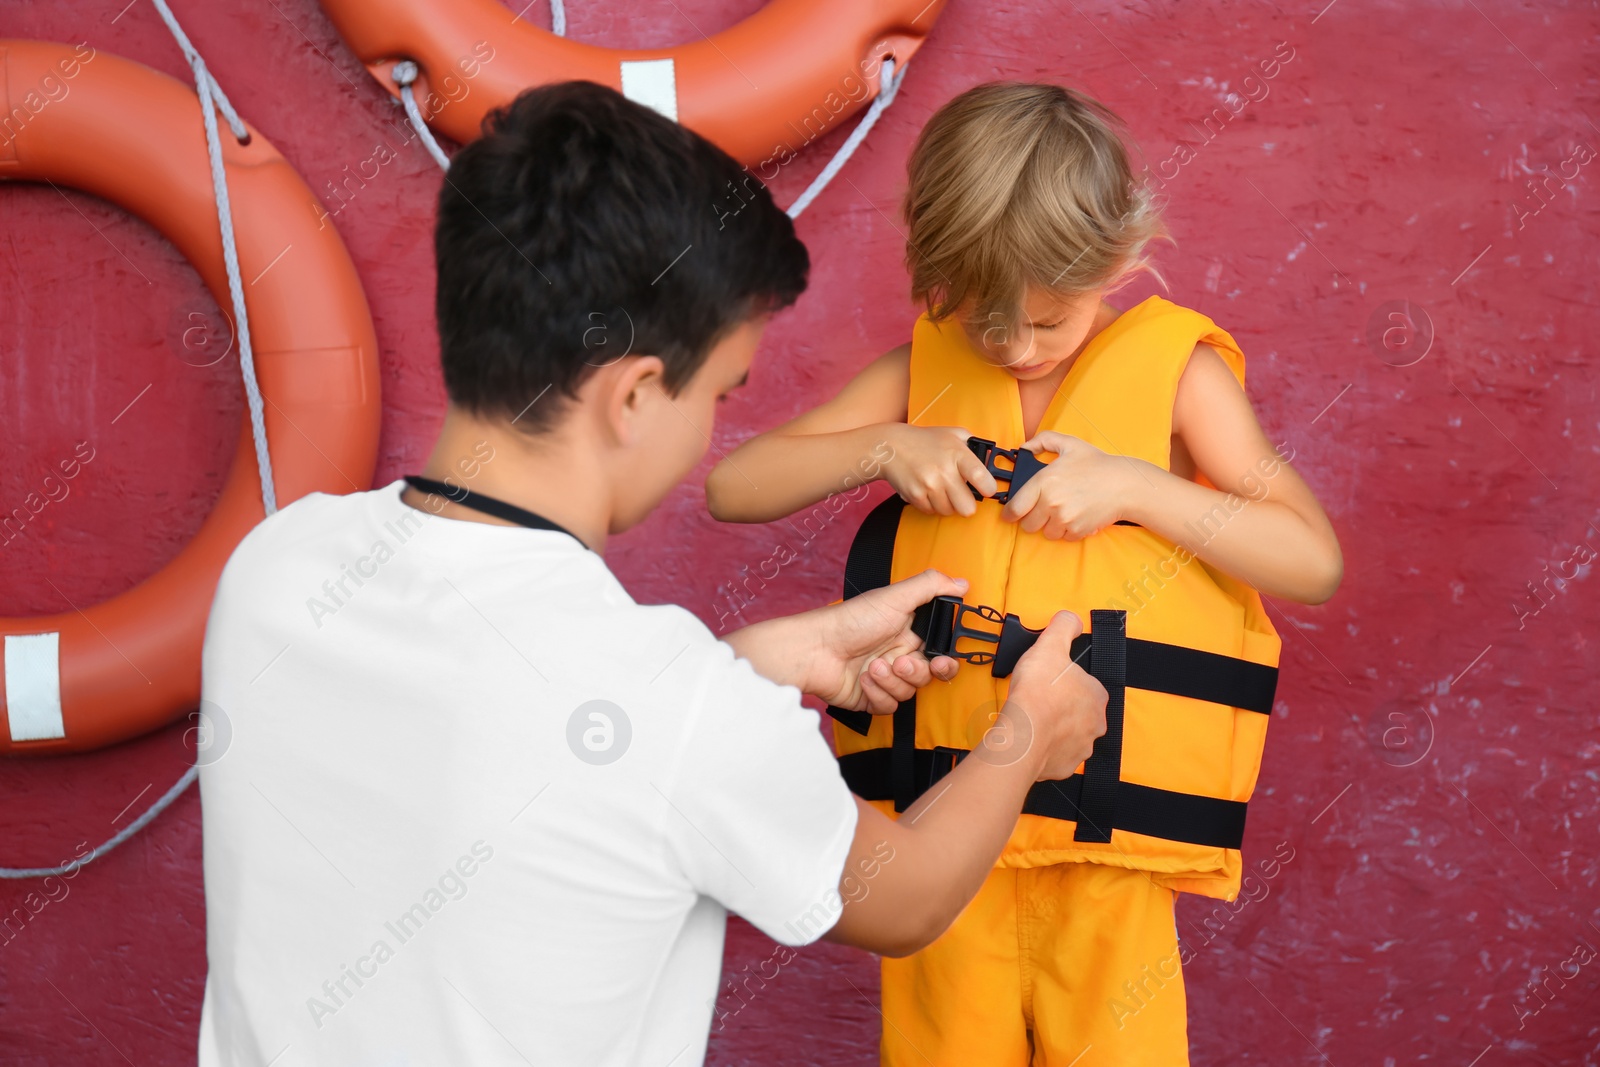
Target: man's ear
(633, 383)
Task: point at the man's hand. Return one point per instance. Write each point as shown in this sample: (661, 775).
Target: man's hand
(859, 654)
(946, 844)
(864, 655)
(1053, 706)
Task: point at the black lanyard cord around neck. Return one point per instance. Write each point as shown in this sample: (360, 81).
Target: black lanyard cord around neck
(488, 505)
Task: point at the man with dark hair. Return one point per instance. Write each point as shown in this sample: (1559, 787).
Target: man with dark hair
(587, 227)
(481, 807)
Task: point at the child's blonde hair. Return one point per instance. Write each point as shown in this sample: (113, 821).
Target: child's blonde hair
(1014, 183)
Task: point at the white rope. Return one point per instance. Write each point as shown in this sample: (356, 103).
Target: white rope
(889, 86)
(122, 835)
(406, 71)
(205, 86)
(189, 53)
(211, 99)
(405, 74)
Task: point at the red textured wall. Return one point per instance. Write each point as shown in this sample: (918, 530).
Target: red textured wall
(1433, 764)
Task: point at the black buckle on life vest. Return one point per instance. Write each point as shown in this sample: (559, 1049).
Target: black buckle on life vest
(942, 623)
(1024, 465)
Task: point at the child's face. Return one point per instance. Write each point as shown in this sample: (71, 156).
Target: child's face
(1048, 330)
(672, 433)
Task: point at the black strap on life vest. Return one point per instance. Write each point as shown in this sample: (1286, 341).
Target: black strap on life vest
(1102, 771)
(867, 567)
(1139, 809)
(872, 551)
(488, 505)
(1150, 665)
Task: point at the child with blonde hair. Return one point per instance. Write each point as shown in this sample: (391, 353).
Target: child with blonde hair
(1058, 453)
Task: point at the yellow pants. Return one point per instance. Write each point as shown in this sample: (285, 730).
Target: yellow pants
(1072, 965)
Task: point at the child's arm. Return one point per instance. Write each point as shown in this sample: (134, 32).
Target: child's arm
(1260, 524)
(857, 437)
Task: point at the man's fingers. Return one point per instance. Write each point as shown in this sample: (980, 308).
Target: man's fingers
(892, 678)
(878, 701)
(899, 689)
(908, 594)
(912, 671)
(1064, 626)
(918, 670)
(1049, 662)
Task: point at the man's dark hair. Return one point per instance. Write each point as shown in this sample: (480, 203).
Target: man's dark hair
(583, 227)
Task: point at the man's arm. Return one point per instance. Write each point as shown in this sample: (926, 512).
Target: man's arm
(905, 881)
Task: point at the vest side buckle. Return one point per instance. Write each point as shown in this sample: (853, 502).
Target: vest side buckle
(943, 621)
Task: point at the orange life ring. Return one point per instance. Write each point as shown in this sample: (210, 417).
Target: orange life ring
(84, 679)
(761, 89)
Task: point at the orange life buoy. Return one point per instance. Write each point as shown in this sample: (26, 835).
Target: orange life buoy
(84, 679)
(761, 89)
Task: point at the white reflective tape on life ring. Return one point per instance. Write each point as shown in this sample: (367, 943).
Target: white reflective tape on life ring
(33, 687)
(653, 83)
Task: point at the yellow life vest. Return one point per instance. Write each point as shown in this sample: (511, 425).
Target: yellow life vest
(1187, 654)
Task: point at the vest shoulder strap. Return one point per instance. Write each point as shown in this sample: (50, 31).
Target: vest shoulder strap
(1120, 396)
(952, 385)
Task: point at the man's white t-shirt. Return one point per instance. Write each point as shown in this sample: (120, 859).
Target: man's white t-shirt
(465, 802)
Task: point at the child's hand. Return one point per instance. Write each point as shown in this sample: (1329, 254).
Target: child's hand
(932, 467)
(1081, 492)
